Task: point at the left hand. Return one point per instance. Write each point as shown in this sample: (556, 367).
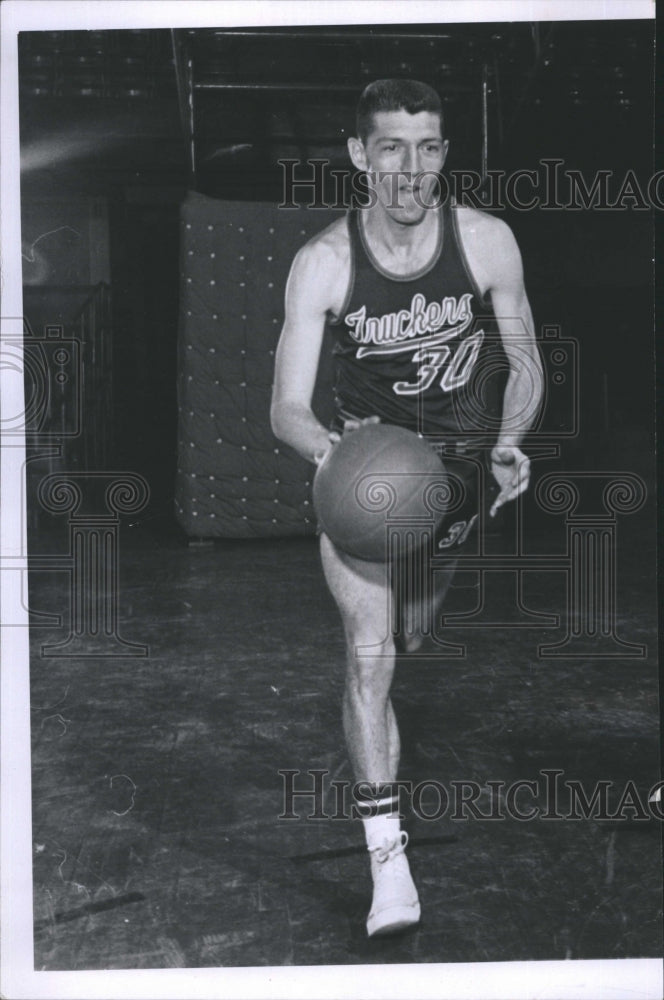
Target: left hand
(355, 424)
(334, 437)
(511, 470)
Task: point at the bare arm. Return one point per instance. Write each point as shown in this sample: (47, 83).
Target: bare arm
(523, 392)
(298, 352)
(524, 388)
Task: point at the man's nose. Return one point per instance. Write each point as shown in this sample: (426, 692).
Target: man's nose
(411, 162)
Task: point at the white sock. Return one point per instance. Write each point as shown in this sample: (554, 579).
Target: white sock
(381, 828)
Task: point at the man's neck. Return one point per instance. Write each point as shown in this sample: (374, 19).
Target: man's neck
(391, 240)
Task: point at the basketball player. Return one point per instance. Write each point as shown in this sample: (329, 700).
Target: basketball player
(401, 284)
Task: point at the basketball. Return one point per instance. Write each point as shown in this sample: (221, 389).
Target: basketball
(376, 478)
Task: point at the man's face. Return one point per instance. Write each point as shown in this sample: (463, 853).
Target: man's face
(402, 156)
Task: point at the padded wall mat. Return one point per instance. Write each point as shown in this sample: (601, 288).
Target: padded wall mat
(234, 479)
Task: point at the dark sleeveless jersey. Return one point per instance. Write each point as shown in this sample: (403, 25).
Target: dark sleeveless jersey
(415, 349)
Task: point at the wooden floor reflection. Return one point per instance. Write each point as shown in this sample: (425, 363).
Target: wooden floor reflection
(157, 793)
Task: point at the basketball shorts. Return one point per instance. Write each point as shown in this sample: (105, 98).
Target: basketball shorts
(472, 491)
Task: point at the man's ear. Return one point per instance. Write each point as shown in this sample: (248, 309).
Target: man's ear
(357, 153)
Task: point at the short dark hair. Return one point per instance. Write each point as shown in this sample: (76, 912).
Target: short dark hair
(395, 95)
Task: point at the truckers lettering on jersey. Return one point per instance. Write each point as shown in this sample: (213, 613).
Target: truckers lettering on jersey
(392, 331)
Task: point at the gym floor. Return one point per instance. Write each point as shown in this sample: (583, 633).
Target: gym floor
(157, 794)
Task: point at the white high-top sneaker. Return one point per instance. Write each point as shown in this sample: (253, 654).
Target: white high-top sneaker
(395, 903)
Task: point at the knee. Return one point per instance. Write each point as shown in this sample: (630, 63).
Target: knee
(368, 646)
(370, 668)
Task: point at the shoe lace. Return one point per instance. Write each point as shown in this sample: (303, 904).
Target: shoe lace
(390, 848)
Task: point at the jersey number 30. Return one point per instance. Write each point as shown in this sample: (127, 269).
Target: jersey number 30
(433, 359)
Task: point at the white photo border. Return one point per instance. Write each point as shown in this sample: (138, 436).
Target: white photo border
(638, 979)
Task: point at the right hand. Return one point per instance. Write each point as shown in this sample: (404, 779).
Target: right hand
(334, 437)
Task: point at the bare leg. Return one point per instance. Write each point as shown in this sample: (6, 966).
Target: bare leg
(363, 594)
(417, 619)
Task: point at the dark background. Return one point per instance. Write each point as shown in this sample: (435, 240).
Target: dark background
(106, 162)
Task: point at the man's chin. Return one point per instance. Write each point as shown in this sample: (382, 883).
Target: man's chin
(411, 216)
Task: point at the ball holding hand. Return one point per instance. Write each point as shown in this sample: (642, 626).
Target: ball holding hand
(334, 437)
